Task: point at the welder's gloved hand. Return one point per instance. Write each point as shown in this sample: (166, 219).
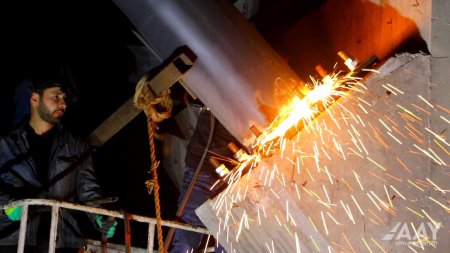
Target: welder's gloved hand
(14, 213)
(106, 226)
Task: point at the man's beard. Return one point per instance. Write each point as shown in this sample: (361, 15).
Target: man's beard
(47, 115)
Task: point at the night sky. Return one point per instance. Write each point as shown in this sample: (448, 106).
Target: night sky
(88, 41)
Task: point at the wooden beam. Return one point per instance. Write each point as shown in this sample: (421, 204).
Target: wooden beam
(169, 75)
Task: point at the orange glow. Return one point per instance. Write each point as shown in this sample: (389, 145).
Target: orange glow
(299, 109)
(279, 160)
(292, 114)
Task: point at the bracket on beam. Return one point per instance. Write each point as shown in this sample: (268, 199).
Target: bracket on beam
(173, 72)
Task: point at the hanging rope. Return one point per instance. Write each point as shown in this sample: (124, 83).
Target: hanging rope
(157, 110)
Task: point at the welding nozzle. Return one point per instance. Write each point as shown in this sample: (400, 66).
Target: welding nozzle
(220, 168)
(350, 62)
(323, 73)
(239, 153)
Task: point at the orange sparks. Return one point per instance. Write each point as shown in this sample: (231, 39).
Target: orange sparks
(444, 109)
(448, 153)
(357, 205)
(324, 223)
(426, 101)
(403, 165)
(409, 112)
(378, 245)
(393, 188)
(312, 223)
(367, 245)
(400, 133)
(393, 87)
(345, 237)
(345, 182)
(373, 201)
(378, 137)
(413, 135)
(376, 217)
(357, 179)
(315, 244)
(440, 204)
(333, 219)
(421, 109)
(437, 187)
(395, 178)
(437, 136)
(381, 179)
(436, 224)
(409, 181)
(377, 164)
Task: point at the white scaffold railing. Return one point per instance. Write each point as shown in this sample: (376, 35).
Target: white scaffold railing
(56, 205)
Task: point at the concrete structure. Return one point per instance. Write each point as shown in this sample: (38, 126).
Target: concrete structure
(356, 181)
(329, 188)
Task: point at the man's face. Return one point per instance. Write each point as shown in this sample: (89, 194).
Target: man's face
(52, 105)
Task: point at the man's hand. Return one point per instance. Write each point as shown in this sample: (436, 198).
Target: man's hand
(14, 213)
(106, 226)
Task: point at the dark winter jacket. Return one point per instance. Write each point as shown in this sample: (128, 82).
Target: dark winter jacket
(19, 180)
(218, 146)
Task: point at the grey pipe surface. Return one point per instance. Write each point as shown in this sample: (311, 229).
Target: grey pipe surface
(237, 74)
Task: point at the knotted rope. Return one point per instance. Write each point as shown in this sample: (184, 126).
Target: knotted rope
(157, 109)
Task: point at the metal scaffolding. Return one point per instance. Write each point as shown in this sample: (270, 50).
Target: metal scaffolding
(57, 205)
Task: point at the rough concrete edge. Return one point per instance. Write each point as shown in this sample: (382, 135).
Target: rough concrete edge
(393, 63)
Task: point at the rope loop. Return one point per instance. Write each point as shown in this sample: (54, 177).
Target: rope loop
(144, 99)
(150, 184)
(159, 108)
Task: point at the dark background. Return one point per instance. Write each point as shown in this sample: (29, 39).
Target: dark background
(89, 41)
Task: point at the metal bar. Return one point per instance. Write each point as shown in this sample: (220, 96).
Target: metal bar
(23, 229)
(89, 209)
(235, 66)
(120, 118)
(171, 73)
(53, 229)
(151, 237)
(56, 205)
(127, 228)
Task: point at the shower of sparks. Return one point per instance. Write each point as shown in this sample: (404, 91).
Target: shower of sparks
(207, 241)
(343, 156)
(324, 223)
(418, 236)
(378, 245)
(367, 245)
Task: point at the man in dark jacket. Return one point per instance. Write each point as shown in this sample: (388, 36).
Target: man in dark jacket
(186, 241)
(30, 156)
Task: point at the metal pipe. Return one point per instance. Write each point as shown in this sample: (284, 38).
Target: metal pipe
(237, 75)
(23, 229)
(90, 209)
(151, 237)
(191, 186)
(53, 229)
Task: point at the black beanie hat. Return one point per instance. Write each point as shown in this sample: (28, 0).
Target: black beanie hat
(51, 77)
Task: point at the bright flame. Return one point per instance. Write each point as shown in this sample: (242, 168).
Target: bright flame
(298, 109)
